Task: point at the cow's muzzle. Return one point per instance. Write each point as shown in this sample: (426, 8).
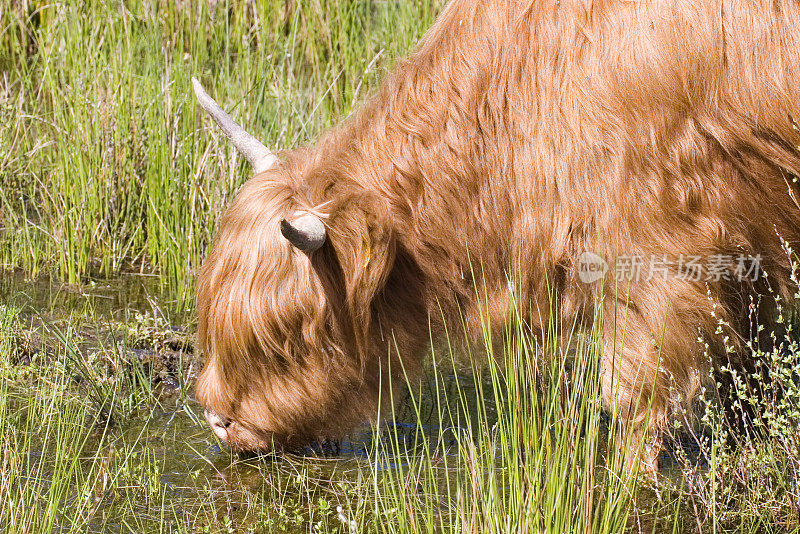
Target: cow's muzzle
(218, 424)
(238, 437)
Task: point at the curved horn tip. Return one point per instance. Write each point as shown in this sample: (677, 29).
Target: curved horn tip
(200, 93)
(198, 88)
(306, 233)
(259, 156)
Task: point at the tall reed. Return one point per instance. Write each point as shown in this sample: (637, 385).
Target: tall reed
(108, 165)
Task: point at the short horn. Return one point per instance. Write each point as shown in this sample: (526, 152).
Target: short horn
(251, 148)
(306, 232)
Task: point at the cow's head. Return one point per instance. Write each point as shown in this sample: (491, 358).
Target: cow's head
(286, 302)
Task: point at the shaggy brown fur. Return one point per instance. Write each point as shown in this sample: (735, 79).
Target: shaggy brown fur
(516, 137)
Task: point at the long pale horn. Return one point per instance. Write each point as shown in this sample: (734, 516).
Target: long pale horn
(306, 232)
(251, 148)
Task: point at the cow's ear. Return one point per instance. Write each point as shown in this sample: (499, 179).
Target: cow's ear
(365, 249)
(364, 244)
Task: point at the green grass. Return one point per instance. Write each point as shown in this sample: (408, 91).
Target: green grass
(529, 450)
(107, 166)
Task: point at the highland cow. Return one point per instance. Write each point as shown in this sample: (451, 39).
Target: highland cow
(518, 138)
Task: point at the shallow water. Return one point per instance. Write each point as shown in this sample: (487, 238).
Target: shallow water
(162, 449)
(113, 298)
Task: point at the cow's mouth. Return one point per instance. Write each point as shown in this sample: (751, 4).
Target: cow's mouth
(236, 436)
(219, 425)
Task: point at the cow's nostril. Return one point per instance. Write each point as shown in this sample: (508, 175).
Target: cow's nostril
(218, 424)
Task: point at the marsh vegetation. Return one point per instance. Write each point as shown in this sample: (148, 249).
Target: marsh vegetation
(111, 182)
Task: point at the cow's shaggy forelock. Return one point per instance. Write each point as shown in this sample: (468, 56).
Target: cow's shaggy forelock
(287, 335)
(513, 139)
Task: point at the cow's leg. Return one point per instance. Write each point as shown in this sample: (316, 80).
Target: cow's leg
(651, 361)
